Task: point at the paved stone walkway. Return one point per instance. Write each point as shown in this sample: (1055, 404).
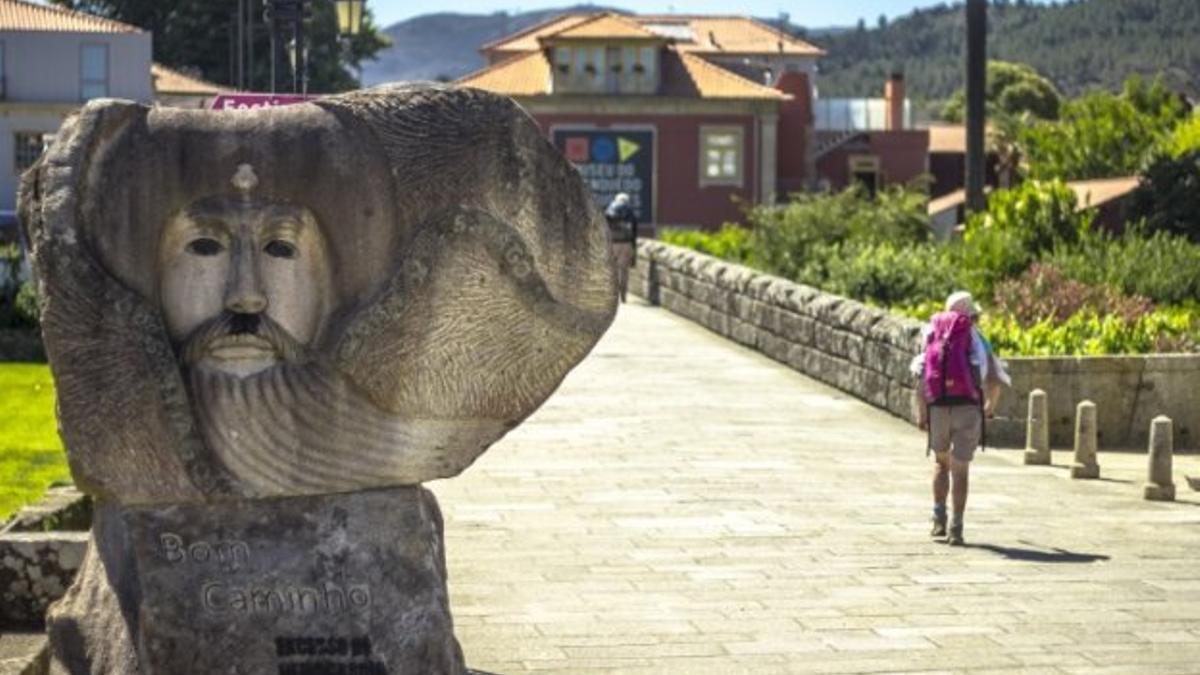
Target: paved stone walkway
(683, 505)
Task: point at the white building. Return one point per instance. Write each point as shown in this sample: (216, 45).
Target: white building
(51, 61)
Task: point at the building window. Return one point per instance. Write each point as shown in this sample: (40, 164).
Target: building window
(629, 59)
(864, 171)
(721, 160)
(27, 148)
(645, 65)
(562, 60)
(3, 74)
(595, 67)
(93, 71)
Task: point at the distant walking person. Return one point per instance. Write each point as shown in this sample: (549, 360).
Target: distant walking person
(623, 228)
(959, 386)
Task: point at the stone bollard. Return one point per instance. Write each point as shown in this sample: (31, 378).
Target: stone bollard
(1159, 486)
(1037, 430)
(1085, 442)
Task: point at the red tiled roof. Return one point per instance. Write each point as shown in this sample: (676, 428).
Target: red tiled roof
(683, 76)
(1101, 191)
(604, 26)
(527, 40)
(688, 76)
(950, 138)
(521, 75)
(1088, 193)
(168, 81)
(710, 34)
(733, 35)
(18, 15)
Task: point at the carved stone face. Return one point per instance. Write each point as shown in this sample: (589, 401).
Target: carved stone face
(244, 284)
(362, 291)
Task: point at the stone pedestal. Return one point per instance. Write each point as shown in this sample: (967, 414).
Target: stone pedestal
(1037, 430)
(1160, 486)
(1085, 465)
(352, 583)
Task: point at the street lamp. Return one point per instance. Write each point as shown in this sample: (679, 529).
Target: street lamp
(349, 16)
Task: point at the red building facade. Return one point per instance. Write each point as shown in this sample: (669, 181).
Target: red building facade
(695, 117)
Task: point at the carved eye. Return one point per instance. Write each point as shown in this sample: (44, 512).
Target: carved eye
(205, 246)
(278, 248)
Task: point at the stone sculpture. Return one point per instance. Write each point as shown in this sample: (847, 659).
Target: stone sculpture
(267, 329)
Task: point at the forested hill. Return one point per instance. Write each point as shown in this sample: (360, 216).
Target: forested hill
(1079, 44)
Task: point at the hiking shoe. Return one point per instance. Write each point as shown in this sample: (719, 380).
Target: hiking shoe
(955, 538)
(939, 528)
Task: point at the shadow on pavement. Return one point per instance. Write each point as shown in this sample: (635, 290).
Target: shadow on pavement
(1102, 479)
(1052, 555)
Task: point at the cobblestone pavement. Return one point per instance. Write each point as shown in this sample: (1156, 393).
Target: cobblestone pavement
(684, 505)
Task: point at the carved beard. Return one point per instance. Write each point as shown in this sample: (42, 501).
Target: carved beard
(228, 324)
(302, 427)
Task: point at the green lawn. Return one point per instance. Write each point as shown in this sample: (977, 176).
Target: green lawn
(31, 454)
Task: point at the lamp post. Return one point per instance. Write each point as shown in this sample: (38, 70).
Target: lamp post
(349, 16)
(976, 76)
(279, 14)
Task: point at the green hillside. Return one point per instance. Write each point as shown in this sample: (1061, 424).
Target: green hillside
(1079, 45)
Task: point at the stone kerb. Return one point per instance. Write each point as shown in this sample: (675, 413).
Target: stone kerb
(862, 350)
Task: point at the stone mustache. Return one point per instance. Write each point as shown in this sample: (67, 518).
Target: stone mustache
(266, 330)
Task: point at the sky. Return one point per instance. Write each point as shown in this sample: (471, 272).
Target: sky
(809, 13)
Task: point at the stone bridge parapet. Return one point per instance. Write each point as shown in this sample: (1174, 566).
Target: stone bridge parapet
(865, 351)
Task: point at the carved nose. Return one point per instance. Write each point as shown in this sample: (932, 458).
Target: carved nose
(248, 302)
(245, 295)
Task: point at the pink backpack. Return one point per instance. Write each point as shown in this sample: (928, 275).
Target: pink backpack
(948, 377)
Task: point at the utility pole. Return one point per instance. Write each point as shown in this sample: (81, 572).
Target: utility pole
(300, 70)
(241, 43)
(250, 46)
(976, 110)
(278, 14)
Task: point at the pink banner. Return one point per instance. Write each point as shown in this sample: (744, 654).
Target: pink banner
(252, 101)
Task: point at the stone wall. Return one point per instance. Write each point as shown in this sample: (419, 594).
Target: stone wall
(866, 351)
(1128, 391)
(861, 350)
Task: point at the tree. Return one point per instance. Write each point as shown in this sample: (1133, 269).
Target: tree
(1165, 107)
(1185, 138)
(195, 36)
(1012, 89)
(1085, 46)
(1102, 135)
(1168, 197)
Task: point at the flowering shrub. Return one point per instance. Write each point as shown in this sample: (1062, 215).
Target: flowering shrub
(1162, 267)
(1042, 293)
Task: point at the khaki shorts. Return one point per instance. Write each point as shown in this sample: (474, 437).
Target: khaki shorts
(955, 429)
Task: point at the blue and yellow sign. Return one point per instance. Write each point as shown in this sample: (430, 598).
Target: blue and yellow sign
(611, 161)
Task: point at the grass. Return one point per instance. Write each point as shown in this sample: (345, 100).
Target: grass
(31, 453)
